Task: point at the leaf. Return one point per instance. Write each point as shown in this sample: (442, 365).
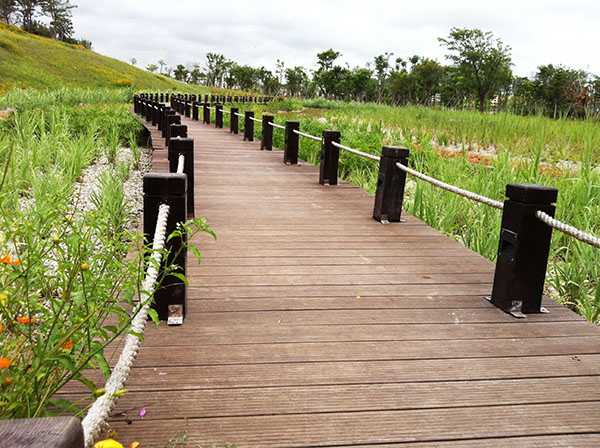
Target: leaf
(153, 315)
(135, 333)
(111, 328)
(181, 277)
(102, 364)
(90, 384)
(196, 252)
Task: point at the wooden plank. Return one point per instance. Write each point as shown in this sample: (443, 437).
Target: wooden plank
(203, 305)
(366, 397)
(414, 289)
(151, 379)
(191, 335)
(308, 352)
(377, 427)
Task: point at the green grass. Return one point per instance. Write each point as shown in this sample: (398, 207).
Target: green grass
(522, 144)
(28, 61)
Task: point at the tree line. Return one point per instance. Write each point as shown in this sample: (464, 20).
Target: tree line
(480, 75)
(56, 18)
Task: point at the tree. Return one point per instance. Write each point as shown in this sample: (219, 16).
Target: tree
(180, 73)
(428, 74)
(382, 67)
(28, 10)
(245, 76)
(59, 12)
(152, 67)
(327, 76)
(484, 61)
(196, 74)
(133, 61)
(216, 68)
(280, 70)
(8, 8)
(162, 64)
(296, 80)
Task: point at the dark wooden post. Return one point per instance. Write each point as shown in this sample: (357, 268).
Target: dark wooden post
(165, 120)
(206, 98)
(149, 107)
(390, 184)
(205, 114)
(195, 111)
(330, 156)
(184, 146)
(178, 130)
(249, 125)
(155, 113)
(171, 120)
(229, 99)
(219, 116)
(212, 99)
(523, 249)
(235, 99)
(187, 109)
(233, 125)
(266, 141)
(167, 188)
(136, 103)
(290, 150)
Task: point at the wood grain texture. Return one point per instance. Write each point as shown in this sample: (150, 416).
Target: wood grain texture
(311, 324)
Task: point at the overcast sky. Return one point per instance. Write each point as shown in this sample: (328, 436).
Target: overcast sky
(258, 33)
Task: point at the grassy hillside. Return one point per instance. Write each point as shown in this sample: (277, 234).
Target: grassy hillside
(30, 61)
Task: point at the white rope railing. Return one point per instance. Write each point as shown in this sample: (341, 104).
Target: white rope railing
(240, 115)
(317, 139)
(98, 414)
(226, 111)
(459, 191)
(180, 163)
(357, 152)
(277, 125)
(256, 119)
(211, 108)
(567, 229)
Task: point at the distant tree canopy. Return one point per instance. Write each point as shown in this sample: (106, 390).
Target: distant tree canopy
(479, 76)
(56, 18)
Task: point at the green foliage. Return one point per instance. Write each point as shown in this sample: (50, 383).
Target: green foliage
(66, 291)
(484, 61)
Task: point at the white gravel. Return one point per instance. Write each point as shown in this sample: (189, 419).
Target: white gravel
(89, 183)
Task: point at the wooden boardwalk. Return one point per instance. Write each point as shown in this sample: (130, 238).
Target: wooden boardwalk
(311, 324)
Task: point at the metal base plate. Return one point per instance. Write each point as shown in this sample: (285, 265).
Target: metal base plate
(175, 315)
